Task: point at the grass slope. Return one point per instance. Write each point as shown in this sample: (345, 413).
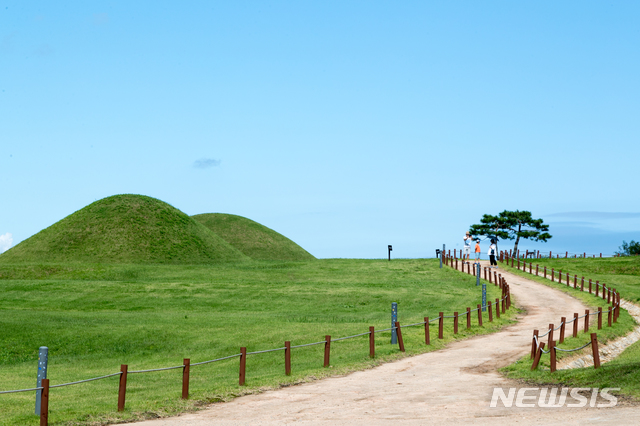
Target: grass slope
(251, 238)
(124, 229)
(623, 372)
(95, 317)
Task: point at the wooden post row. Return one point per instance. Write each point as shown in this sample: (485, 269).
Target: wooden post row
(427, 337)
(586, 321)
(44, 403)
(372, 342)
(243, 365)
(186, 362)
(536, 360)
(594, 350)
(287, 356)
(399, 332)
(122, 389)
(327, 349)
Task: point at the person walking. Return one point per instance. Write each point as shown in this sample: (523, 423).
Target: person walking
(477, 251)
(493, 249)
(467, 247)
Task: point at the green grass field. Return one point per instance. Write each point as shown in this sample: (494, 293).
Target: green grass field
(94, 317)
(622, 273)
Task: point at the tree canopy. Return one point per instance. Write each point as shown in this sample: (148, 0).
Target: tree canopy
(509, 225)
(629, 249)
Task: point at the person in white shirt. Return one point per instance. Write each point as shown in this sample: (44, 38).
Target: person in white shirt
(492, 252)
(467, 247)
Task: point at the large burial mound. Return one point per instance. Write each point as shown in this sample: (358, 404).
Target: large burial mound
(252, 239)
(125, 229)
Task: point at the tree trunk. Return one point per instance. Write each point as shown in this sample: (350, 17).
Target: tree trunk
(515, 247)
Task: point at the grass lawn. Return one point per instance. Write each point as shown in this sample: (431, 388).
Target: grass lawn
(94, 317)
(622, 274)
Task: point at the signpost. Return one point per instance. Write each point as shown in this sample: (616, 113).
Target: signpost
(394, 319)
(43, 359)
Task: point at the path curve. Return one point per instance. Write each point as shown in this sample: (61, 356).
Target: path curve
(448, 386)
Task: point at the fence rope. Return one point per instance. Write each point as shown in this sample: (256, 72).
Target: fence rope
(155, 369)
(355, 335)
(576, 349)
(215, 360)
(87, 380)
(22, 390)
(265, 351)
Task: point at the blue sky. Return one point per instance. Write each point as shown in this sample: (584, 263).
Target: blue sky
(346, 126)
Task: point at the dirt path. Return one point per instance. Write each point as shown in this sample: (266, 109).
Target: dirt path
(449, 386)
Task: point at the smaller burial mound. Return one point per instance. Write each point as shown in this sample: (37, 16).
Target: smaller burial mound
(125, 229)
(251, 238)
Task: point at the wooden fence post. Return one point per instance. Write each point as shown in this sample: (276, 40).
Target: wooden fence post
(327, 349)
(441, 326)
(287, 357)
(590, 286)
(455, 323)
(575, 280)
(186, 362)
(372, 342)
(485, 276)
(597, 285)
(243, 365)
(44, 403)
(427, 338)
(594, 350)
(563, 320)
(609, 317)
(545, 272)
(550, 334)
(533, 344)
(537, 269)
(536, 360)
(122, 389)
(552, 353)
(586, 321)
(490, 313)
(479, 316)
(399, 332)
(575, 325)
(600, 318)
(495, 278)
(553, 274)
(497, 308)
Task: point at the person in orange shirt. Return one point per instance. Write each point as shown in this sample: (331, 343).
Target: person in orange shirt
(477, 251)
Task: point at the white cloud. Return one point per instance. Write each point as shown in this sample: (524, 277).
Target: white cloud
(6, 241)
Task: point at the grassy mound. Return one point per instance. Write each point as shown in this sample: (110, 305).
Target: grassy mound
(125, 229)
(251, 238)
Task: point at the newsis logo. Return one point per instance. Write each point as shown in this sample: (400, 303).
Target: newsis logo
(554, 397)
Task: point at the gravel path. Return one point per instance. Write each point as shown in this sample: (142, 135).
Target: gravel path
(450, 386)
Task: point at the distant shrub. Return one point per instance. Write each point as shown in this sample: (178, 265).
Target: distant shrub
(630, 249)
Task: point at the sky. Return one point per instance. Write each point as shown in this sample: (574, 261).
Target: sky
(344, 125)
